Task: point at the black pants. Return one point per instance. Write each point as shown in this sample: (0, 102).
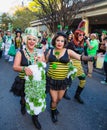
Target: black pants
(105, 69)
(0, 54)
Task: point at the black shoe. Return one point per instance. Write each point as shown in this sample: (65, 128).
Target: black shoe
(54, 116)
(36, 122)
(57, 112)
(23, 109)
(79, 100)
(66, 96)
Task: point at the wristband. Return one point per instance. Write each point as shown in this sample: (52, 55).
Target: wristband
(23, 68)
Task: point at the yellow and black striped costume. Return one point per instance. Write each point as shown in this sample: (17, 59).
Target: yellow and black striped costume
(57, 72)
(80, 72)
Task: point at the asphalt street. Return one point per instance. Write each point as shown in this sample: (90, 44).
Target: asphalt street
(73, 116)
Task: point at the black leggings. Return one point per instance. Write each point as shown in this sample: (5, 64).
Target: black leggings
(105, 69)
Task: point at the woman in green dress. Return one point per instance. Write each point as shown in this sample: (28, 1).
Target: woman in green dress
(31, 66)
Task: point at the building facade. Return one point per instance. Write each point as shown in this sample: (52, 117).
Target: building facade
(94, 13)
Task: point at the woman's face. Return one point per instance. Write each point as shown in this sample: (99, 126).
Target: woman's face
(80, 36)
(31, 42)
(60, 41)
(70, 36)
(18, 34)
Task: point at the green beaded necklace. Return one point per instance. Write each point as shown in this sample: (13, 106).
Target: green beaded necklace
(31, 56)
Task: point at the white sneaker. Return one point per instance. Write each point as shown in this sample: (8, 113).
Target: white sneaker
(103, 82)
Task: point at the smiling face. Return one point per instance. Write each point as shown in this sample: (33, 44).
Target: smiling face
(31, 42)
(60, 42)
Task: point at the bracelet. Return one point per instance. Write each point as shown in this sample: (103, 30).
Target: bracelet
(81, 57)
(23, 68)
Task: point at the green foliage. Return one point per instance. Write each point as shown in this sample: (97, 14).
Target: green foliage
(22, 18)
(6, 19)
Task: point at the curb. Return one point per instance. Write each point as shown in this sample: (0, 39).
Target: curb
(99, 71)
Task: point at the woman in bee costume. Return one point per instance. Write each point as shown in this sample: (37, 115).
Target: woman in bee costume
(77, 45)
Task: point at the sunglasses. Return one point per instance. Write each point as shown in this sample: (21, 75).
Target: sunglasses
(81, 35)
(31, 39)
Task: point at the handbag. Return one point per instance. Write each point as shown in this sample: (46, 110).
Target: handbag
(12, 50)
(18, 86)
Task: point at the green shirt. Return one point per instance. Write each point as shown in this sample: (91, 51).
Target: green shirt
(93, 51)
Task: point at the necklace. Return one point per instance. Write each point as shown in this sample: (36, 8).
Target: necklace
(30, 56)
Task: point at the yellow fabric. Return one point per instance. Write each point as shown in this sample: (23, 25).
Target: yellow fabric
(79, 67)
(80, 71)
(22, 75)
(58, 73)
(82, 83)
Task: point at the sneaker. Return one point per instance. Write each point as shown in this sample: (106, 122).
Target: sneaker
(103, 82)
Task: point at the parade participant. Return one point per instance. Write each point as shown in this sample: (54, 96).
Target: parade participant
(1, 45)
(18, 40)
(92, 51)
(77, 45)
(58, 59)
(69, 35)
(30, 67)
(8, 42)
(105, 60)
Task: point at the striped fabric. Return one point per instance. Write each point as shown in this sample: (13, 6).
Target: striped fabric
(22, 75)
(79, 67)
(58, 73)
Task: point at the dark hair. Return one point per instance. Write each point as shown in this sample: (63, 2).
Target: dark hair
(105, 38)
(57, 35)
(18, 31)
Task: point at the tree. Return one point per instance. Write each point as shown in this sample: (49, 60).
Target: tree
(22, 18)
(56, 13)
(6, 19)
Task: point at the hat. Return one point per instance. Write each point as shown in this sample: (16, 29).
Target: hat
(104, 31)
(69, 32)
(18, 31)
(81, 25)
(61, 34)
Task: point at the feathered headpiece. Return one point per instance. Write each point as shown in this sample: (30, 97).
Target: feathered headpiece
(81, 25)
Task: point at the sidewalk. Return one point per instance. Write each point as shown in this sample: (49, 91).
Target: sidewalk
(100, 71)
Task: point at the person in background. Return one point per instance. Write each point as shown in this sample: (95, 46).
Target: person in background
(44, 40)
(18, 40)
(92, 49)
(57, 73)
(103, 35)
(105, 61)
(77, 45)
(29, 65)
(1, 45)
(8, 41)
(69, 35)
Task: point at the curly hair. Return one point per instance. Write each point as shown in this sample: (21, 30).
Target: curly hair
(56, 36)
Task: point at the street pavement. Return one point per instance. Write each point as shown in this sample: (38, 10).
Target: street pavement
(73, 116)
